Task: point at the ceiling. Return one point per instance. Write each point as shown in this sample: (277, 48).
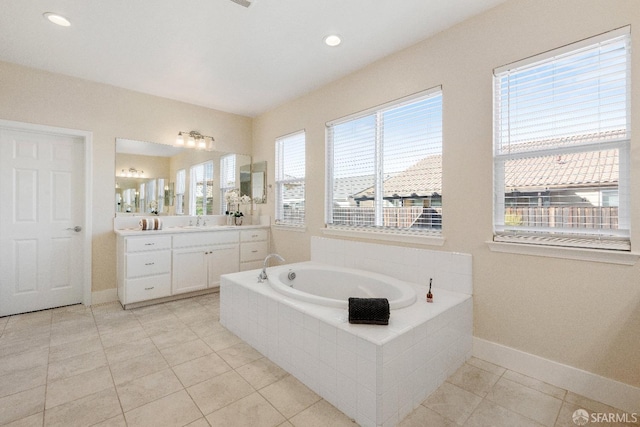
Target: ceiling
(216, 53)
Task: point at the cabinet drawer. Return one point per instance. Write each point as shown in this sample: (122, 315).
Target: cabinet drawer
(251, 265)
(253, 251)
(148, 263)
(151, 243)
(205, 238)
(253, 235)
(145, 288)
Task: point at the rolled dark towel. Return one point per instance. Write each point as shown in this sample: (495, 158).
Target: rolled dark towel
(371, 311)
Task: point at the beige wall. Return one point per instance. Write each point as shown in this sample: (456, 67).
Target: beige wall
(34, 96)
(583, 314)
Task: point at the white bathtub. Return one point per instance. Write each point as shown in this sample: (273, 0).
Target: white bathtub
(332, 286)
(374, 374)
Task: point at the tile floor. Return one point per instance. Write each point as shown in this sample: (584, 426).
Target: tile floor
(173, 364)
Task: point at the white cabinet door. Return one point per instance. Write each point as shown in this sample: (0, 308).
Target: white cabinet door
(189, 269)
(222, 260)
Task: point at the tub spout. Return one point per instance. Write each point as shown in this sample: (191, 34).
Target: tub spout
(263, 275)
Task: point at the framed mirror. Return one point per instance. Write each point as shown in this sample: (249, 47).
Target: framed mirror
(161, 179)
(259, 182)
(245, 180)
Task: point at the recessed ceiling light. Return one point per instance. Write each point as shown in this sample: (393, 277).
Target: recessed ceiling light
(332, 40)
(57, 19)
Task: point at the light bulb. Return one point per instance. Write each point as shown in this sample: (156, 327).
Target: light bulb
(332, 40)
(191, 142)
(180, 139)
(57, 19)
(202, 144)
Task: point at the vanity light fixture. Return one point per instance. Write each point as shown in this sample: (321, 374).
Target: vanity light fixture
(195, 140)
(332, 40)
(57, 19)
(132, 173)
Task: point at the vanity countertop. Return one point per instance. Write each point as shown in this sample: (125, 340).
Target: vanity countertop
(185, 229)
(129, 225)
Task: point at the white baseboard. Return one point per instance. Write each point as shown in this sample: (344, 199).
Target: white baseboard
(614, 393)
(101, 297)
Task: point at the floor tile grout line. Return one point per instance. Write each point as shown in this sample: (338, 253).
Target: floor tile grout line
(172, 370)
(255, 390)
(483, 398)
(79, 398)
(46, 382)
(110, 372)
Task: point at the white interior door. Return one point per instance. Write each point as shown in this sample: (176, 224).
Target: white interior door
(41, 220)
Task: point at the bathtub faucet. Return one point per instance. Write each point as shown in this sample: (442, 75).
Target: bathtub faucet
(263, 275)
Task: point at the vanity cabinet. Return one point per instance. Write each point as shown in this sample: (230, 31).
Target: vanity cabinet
(158, 264)
(254, 249)
(145, 270)
(198, 263)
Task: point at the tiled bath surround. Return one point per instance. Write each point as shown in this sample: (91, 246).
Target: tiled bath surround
(449, 270)
(374, 374)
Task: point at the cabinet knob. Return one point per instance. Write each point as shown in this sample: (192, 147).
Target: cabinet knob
(254, 251)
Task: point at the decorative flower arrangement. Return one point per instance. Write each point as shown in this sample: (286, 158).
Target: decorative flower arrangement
(153, 207)
(233, 199)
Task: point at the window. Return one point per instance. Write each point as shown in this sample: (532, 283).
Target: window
(180, 190)
(201, 189)
(561, 146)
(290, 174)
(227, 178)
(384, 167)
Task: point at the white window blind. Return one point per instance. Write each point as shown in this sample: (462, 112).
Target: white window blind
(561, 149)
(384, 167)
(227, 178)
(290, 179)
(201, 189)
(180, 190)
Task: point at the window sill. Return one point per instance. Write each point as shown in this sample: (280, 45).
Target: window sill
(386, 236)
(288, 227)
(592, 255)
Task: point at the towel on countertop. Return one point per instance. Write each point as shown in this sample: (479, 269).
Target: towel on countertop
(371, 311)
(150, 224)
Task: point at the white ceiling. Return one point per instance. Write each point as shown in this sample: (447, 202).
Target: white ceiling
(215, 53)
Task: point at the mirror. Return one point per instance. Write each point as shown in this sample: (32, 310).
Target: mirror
(245, 180)
(154, 178)
(259, 182)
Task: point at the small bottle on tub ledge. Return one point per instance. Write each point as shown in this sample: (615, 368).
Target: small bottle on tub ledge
(429, 294)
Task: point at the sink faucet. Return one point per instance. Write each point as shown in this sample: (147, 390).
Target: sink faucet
(263, 275)
(198, 221)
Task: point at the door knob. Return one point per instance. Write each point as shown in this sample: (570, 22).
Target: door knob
(77, 229)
